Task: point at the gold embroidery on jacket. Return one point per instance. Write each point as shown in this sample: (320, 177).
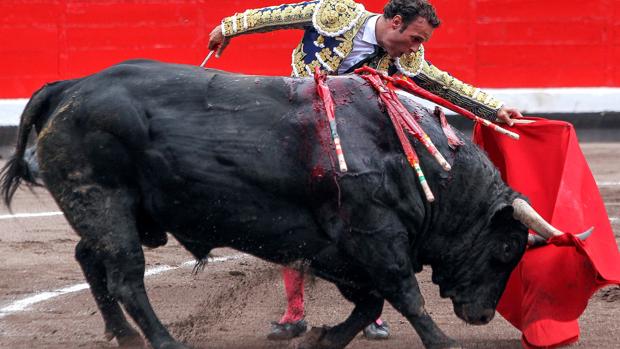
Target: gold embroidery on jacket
(320, 41)
(300, 68)
(269, 18)
(298, 61)
(335, 17)
(342, 19)
(410, 64)
(443, 84)
(384, 63)
(329, 59)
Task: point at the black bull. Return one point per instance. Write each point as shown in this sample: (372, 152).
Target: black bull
(217, 159)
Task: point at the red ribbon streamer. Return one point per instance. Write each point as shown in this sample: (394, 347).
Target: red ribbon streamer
(411, 87)
(328, 102)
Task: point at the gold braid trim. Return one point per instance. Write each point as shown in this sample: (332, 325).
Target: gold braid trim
(269, 18)
(328, 59)
(443, 84)
(411, 64)
(335, 17)
(299, 68)
(384, 63)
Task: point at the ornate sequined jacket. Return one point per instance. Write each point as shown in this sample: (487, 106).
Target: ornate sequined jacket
(330, 27)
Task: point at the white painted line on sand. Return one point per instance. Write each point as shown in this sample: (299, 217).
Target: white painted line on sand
(31, 215)
(23, 304)
(614, 219)
(608, 184)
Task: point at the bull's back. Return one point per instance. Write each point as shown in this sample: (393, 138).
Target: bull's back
(241, 132)
(184, 135)
(188, 115)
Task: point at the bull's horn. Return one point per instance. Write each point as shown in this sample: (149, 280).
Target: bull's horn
(537, 240)
(586, 234)
(526, 214)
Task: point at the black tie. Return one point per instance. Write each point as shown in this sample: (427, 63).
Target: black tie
(379, 51)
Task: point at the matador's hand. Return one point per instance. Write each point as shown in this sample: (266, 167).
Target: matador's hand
(218, 41)
(506, 114)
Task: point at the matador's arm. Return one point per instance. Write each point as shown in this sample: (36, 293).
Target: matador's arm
(287, 16)
(466, 96)
(434, 80)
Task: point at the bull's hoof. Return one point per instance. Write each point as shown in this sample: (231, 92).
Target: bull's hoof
(315, 339)
(130, 339)
(133, 342)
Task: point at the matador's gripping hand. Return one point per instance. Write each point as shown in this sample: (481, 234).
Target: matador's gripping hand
(218, 41)
(506, 114)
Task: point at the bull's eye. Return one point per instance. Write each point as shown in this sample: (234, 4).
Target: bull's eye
(507, 249)
(506, 252)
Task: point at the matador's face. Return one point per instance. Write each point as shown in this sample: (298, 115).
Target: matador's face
(398, 42)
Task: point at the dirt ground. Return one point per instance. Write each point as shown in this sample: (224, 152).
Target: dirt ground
(230, 304)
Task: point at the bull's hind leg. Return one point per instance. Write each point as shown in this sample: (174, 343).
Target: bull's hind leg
(116, 325)
(104, 219)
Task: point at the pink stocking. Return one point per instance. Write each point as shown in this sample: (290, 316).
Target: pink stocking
(294, 287)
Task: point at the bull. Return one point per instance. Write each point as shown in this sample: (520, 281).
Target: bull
(143, 148)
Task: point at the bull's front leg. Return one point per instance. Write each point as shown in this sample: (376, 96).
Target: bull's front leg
(377, 242)
(384, 254)
(407, 299)
(395, 279)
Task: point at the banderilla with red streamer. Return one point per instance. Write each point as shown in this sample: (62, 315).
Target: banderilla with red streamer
(402, 119)
(406, 120)
(328, 102)
(411, 87)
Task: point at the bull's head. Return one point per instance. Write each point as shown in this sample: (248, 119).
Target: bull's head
(474, 274)
(476, 280)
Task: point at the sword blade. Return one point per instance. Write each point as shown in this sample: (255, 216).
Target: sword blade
(207, 58)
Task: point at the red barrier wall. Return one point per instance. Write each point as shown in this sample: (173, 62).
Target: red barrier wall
(490, 43)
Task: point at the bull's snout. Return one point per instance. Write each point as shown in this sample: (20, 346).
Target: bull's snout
(473, 314)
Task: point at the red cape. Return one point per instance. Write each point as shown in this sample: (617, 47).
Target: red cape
(550, 287)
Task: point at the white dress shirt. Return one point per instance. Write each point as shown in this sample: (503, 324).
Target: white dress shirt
(363, 45)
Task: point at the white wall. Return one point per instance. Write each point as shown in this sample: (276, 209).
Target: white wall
(10, 111)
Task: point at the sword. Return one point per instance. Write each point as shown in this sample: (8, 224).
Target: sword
(206, 59)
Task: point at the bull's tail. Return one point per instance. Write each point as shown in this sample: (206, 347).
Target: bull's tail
(16, 169)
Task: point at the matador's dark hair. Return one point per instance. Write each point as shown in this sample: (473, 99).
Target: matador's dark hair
(409, 10)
